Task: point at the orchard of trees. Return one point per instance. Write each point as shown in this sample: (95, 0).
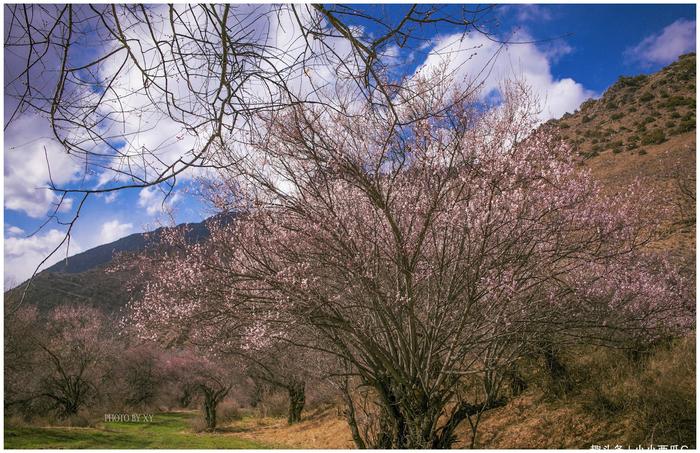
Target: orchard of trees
(400, 241)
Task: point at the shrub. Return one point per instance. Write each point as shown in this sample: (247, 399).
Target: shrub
(616, 116)
(587, 104)
(685, 126)
(227, 412)
(586, 119)
(635, 81)
(642, 152)
(675, 101)
(653, 137)
(198, 424)
(646, 97)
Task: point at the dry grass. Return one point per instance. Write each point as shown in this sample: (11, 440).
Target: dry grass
(323, 428)
(616, 400)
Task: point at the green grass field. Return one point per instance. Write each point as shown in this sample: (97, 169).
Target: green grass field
(167, 430)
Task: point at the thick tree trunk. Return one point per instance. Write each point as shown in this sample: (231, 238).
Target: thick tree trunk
(413, 423)
(210, 404)
(297, 399)
(212, 398)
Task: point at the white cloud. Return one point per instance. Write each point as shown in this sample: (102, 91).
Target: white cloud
(664, 47)
(110, 197)
(153, 200)
(27, 174)
(13, 230)
(22, 255)
(477, 59)
(528, 13)
(113, 230)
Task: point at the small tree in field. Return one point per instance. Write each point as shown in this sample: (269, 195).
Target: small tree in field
(425, 252)
(141, 376)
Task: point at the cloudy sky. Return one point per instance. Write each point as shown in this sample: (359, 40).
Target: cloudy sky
(568, 54)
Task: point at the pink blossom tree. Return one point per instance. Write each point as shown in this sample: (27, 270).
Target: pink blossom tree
(425, 251)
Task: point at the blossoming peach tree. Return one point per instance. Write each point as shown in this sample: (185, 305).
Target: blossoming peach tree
(424, 251)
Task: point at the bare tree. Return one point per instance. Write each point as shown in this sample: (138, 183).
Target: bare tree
(66, 357)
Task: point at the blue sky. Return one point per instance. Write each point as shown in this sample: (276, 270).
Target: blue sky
(578, 51)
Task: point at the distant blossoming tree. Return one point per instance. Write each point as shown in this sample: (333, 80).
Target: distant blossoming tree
(425, 251)
(212, 379)
(62, 358)
(187, 301)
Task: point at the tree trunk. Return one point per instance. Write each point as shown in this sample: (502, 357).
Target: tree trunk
(186, 397)
(351, 418)
(297, 399)
(210, 403)
(558, 373)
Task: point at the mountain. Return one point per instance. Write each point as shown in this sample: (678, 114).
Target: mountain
(103, 254)
(83, 278)
(642, 128)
